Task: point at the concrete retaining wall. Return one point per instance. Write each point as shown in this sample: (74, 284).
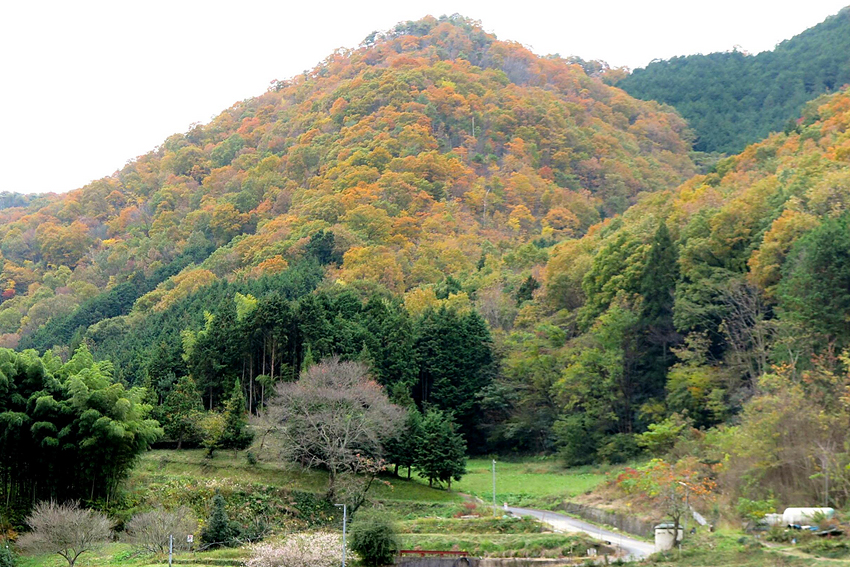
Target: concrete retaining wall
(437, 562)
(624, 523)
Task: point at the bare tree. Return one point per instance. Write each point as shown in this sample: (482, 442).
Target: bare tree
(65, 529)
(150, 530)
(747, 329)
(334, 417)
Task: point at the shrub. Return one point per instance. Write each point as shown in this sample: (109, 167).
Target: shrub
(619, 448)
(7, 558)
(755, 510)
(373, 537)
(780, 534)
(65, 529)
(150, 531)
(319, 549)
(827, 548)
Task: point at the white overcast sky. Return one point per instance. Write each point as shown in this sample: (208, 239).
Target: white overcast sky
(86, 86)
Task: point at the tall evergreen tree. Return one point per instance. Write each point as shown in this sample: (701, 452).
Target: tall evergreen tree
(389, 335)
(455, 365)
(442, 451)
(402, 448)
(657, 288)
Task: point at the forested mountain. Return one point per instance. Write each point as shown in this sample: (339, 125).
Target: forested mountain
(733, 99)
(395, 205)
(369, 161)
(494, 234)
(722, 301)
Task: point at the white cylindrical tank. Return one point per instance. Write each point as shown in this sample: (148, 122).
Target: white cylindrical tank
(804, 515)
(665, 539)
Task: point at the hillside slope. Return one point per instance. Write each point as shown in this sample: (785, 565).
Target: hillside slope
(411, 158)
(711, 318)
(733, 99)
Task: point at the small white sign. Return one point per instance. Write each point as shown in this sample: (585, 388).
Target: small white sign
(190, 538)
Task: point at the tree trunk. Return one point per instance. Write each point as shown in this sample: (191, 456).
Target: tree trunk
(408, 472)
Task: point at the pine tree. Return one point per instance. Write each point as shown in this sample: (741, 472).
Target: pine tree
(659, 279)
(236, 434)
(441, 454)
(815, 289)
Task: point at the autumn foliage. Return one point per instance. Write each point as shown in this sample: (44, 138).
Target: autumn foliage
(417, 150)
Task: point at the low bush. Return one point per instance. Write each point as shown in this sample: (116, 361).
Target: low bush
(830, 548)
(150, 531)
(7, 558)
(373, 537)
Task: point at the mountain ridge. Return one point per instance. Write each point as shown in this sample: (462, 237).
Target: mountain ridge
(732, 99)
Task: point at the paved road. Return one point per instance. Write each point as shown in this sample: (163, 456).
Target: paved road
(636, 549)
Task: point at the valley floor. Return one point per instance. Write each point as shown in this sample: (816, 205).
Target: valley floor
(428, 518)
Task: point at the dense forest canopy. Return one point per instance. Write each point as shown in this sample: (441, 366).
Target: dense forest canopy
(428, 149)
(67, 430)
(733, 99)
(507, 243)
(721, 302)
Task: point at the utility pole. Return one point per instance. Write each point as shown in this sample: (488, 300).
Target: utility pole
(170, 548)
(494, 488)
(344, 521)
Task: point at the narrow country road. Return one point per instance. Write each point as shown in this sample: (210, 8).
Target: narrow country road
(635, 549)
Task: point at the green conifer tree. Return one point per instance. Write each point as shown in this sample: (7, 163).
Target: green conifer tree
(441, 454)
(657, 331)
(180, 411)
(403, 447)
(218, 531)
(236, 434)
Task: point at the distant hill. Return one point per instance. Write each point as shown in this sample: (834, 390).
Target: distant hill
(732, 99)
(399, 163)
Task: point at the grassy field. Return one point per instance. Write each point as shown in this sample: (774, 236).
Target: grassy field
(122, 555)
(526, 482)
(427, 515)
(224, 467)
(730, 549)
(489, 536)
(530, 482)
